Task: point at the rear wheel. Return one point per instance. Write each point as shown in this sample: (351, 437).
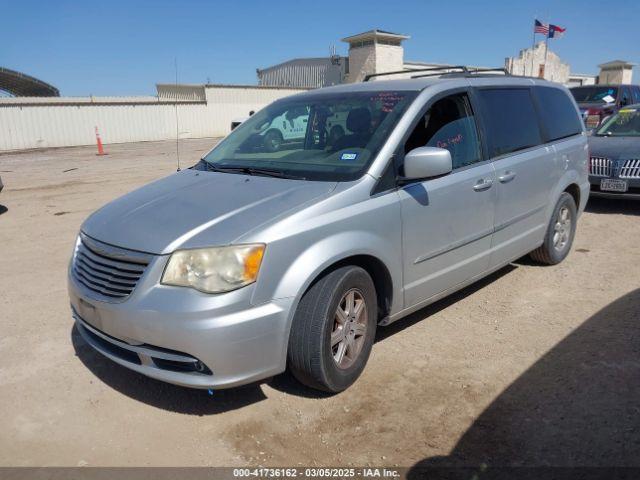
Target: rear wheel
(333, 330)
(560, 232)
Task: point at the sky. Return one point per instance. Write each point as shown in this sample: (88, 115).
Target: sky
(116, 47)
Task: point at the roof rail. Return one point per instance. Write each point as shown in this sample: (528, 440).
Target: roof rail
(460, 68)
(467, 72)
(437, 71)
(483, 70)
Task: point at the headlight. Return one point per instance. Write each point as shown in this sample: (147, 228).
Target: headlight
(214, 270)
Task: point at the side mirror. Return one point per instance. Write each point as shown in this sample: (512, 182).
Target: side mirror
(427, 162)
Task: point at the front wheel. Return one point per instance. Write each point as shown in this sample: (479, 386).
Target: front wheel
(333, 330)
(273, 140)
(560, 232)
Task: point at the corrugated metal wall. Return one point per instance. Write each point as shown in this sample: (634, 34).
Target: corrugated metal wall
(37, 123)
(303, 72)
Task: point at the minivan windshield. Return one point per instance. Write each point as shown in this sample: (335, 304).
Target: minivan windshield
(330, 137)
(625, 123)
(595, 94)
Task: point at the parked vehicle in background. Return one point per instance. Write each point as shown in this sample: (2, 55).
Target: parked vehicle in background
(614, 168)
(598, 102)
(267, 256)
(237, 121)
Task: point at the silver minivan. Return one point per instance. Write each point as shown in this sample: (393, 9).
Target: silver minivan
(260, 259)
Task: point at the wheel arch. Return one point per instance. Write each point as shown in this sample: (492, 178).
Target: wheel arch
(573, 189)
(378, 272)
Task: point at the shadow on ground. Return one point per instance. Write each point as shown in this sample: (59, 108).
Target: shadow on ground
(612, 205)
(579, 405)
(3, 209)
(160, 394)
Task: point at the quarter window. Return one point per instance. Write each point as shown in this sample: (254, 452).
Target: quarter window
(510, 120)
(558, 113)
(450, 124)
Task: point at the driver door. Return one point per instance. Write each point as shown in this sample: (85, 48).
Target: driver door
(447, 221)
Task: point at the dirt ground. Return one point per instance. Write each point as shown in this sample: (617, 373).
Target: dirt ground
(532, 366)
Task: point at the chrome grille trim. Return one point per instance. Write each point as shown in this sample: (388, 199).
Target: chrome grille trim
(110, 273)
(600, 167)
(630, 168)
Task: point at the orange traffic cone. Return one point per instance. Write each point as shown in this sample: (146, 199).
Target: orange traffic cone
(99, 142)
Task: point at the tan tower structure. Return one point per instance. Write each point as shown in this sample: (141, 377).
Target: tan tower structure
(375, 51)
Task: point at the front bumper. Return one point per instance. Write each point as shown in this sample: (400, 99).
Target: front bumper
(632, 193)
(185, 337)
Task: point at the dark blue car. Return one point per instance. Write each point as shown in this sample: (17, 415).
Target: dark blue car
(614, 168)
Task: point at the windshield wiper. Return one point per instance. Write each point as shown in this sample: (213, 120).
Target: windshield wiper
(252, 171)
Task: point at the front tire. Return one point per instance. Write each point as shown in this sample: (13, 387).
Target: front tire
(273, 140)
(333, 330)
(560, 232)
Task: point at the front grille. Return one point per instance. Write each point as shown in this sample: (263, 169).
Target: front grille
(630, 169)
(600, 167)
(107, 271)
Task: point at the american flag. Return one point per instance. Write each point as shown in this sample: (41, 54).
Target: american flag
(540, 27)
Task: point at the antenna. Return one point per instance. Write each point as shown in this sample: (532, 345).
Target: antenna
(175, 63)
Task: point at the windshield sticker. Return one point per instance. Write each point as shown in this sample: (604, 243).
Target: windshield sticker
(387, 100)
(608, 99)
(628, 110)
(349, 156)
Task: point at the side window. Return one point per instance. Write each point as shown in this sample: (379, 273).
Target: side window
(558, 114)
(510, 120)
(636, 94)
(450, 124)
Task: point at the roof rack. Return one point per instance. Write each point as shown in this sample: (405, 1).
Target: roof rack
(465, 71)
(430, 69)
(438, 71)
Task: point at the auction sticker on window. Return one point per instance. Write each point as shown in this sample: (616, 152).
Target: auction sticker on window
(349, 156)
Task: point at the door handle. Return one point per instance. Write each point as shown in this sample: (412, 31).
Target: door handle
(483, 184)
(507, 176)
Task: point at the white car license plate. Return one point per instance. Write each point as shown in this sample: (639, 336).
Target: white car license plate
(613, 185)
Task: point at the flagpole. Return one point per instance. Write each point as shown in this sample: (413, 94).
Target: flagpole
(546, 51)
(546, 47)
(533, 47)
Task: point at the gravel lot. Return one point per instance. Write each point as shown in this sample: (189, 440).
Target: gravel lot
(533, 366)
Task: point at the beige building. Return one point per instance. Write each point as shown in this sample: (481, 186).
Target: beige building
(375, 51)
(530, 62)
(536, 60)
(617, 71)
(379, 51)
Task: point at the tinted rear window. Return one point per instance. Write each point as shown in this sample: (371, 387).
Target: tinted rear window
(595, 94)
(559, 116)
(510, 120)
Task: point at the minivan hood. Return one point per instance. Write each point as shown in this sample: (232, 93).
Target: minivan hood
(193, 209)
